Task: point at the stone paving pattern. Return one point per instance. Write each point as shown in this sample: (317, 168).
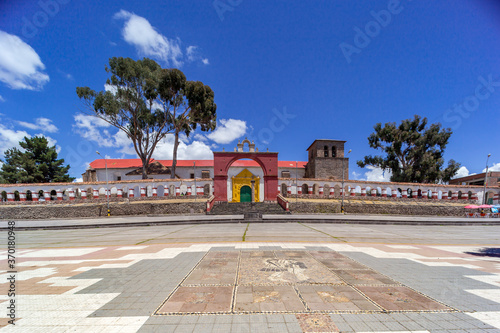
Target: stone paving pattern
(96, 286)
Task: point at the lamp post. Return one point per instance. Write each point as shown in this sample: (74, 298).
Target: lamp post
(343, 189)
(485, 180)
(296, 183)
(107, 184)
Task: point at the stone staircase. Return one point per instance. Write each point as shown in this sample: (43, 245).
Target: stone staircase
(250, 210)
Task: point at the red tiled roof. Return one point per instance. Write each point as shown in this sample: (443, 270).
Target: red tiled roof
(136, 163)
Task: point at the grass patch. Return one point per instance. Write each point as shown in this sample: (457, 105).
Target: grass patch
(245, 233)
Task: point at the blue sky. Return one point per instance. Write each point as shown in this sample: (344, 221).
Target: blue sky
(284, 72)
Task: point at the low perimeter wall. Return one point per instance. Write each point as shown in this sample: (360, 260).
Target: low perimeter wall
(360, 208)
(32, 212)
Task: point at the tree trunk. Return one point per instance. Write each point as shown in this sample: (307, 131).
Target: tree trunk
(144, 169)
(174, 157)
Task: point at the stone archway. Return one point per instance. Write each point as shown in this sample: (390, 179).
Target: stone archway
(268, 161)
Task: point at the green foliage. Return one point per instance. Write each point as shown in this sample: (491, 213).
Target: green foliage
(191, 104)
(150, 102)
(413, 151)
(38, 163)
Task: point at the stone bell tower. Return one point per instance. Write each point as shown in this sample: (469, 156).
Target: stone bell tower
(325, 159)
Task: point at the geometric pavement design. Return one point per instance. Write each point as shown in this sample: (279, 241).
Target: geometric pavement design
(245, 282)
(255, 287)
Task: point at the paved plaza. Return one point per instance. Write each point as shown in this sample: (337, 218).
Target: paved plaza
(256, 277)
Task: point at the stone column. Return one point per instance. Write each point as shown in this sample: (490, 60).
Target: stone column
(177, 191)
(34, 196)
(143, 192)
(166, 191)
(289, 189)
(130, 192)
(332, 191)
(363, 192)
(96, 193)
(253, 189)
(309, 189)
(299, 189)
(83, 194)
(374, 192)
(394, 193)
(22, 196)
(119, 193)
(384, 193)
(434, 195)
(189, 191)
(353, 193)
(454, 196)
(46, 195)
(71, 195)
(321, 190)
(155, 193)
(10, 196)
(59, 195)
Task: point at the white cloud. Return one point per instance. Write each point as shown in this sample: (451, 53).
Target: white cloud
(200, 137)
(78, 180)
(356, 175)
(125, 144)
(195, 150)
(494, 167)
(20, 65)
(10, 138)
(461, 172)
(191, 52)
(138, 32)
(111, 88)
(43, 124)
(94, 129)
(377, 174)
(2, 99)
(228, 130)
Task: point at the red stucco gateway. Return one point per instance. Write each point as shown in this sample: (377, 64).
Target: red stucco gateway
(268, 162)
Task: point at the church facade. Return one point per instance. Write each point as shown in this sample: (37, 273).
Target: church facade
(245, 172)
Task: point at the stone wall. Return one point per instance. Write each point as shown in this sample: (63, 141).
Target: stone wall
(33, 212)
(360, 208)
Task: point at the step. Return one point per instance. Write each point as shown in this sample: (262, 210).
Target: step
(238, 208)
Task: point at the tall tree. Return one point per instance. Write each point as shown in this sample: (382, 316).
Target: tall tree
(147, 102)
(131, 104)
(189, 104)
(413, 151)
(38, 163)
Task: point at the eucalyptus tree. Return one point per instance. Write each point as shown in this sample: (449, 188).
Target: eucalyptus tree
(147, 103)
(413, 151)
(190, 104)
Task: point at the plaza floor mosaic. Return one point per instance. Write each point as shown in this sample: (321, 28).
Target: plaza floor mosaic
(256, 287)
(289, 282)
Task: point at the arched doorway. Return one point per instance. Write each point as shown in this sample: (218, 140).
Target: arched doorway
(268, 161)
(245, 194)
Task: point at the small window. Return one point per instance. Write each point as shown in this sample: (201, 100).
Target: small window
(192, 176)
(205, 174)
(119, 178)
(326, 151)
(285, 174)
(334, 152)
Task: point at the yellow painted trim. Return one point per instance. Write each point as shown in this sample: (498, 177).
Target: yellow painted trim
(244, 178)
